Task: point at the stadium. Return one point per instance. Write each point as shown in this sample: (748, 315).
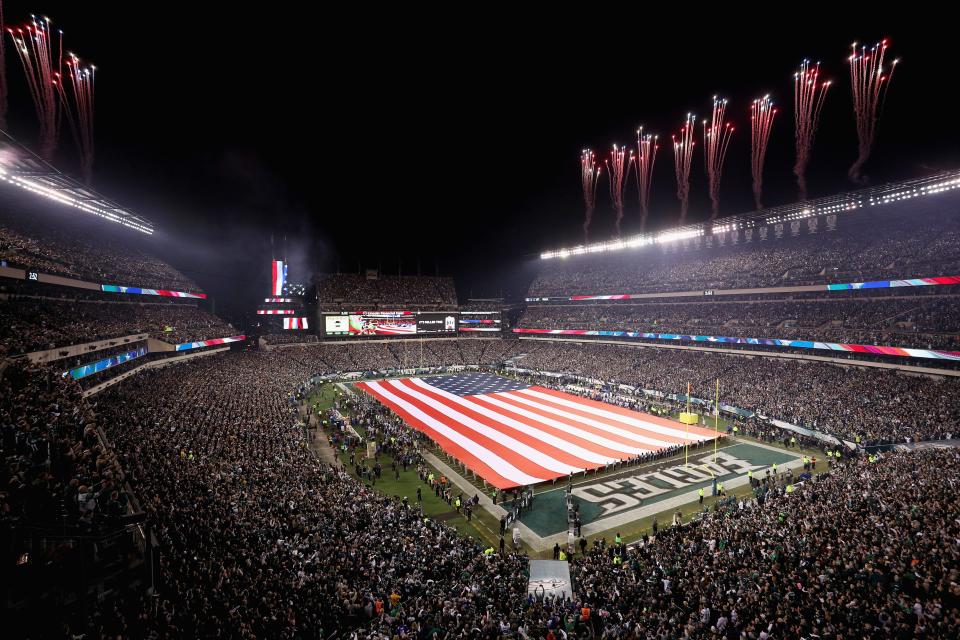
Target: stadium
(684, 403)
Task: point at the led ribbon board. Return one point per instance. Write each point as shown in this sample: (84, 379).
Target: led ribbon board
(115, 288)
(767, 342)
(186, 346)
(103, 365)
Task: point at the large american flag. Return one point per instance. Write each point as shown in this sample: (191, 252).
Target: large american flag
(513, 434)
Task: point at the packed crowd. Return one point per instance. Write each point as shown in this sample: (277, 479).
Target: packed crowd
(852, 554)
(86, 250)
(261, 539)
(921, 321)
(33, 324)
(399, 292)
(863, 404)
(380, 355)
(56, 472)
(908, 240)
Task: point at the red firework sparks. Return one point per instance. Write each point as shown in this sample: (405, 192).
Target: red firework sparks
(617, 167)
(808, 96)
(762, 113)
(646, 155)
(3, 72)
(589, 174)
(716, 141)
(683, 144)
(870, 84)
(35, 48)
(77, 102)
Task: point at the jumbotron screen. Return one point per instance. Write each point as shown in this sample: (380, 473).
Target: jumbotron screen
(336, 325)
(383, 323)
(436, 322)
(390, 323)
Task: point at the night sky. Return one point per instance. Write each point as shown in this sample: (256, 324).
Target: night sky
(379, 139)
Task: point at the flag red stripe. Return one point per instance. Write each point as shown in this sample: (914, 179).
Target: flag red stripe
(520, 436)
(670, 424)
(523, 464)
(615, 437)
(476, 464)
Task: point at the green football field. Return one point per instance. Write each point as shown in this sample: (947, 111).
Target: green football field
(548, 515)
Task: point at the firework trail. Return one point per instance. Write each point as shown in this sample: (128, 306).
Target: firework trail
(35, 48)
(808, 97)
(76, 99)
(716, 141)
(762, 113)
(617, 166)
(589, 174)
(646, 155)
(3, 72)
(683, 144)
(870, 85)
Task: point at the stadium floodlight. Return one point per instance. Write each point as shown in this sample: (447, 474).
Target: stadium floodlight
(869, 197)
(21, 168)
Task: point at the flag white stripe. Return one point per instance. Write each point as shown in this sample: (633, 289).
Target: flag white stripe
(531, 454)
(612, 415)
(530, 430)
(610, 444)
(623, 433)
(495, 462)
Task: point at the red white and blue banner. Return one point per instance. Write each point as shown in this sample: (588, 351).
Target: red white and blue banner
(843, 286)
(278, 277)
(275, 312)
(115, 288)
(513, 434)
(295, 323)
(278, 299)
(186, 346)
(766, 342)
(891, 284)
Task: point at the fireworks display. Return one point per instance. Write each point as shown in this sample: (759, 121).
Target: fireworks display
(58, 86)
(808, 96)
(35, 47)
(589, 174)
(683, 144)
(617, 167)
(762, 113)
(646, 155)
(870, 83)
(3, 71)
(76, 98)
(716, 141)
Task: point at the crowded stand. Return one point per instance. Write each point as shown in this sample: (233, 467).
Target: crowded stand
(32, 324)
(345, 290)
(929, 321)
(56, 470)
(84, 249)
(904, 240)
(256, 533)
(858, 404)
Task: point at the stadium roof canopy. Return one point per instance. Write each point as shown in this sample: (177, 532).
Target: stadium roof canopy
(22, 168)
(835, 204)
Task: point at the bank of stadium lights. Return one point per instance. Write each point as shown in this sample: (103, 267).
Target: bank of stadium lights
(63, 198)
(851, 202)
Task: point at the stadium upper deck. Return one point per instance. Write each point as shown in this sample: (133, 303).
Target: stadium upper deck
(903, 230)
